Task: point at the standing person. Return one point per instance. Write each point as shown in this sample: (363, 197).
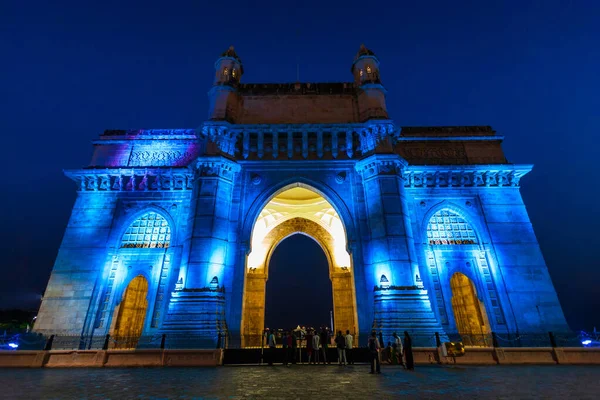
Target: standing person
(272, 344)
(324, 341)
(374, 349)
(316, 343)
(294, 344)
(340, 342)
(399, 349)
(349, 343)
(309, 344)
(408, 354)
(284, 344)
(382, 344)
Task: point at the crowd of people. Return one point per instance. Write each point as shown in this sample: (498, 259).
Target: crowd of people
(318, 341)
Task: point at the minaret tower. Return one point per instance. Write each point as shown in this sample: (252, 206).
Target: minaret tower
(371, 97)
(223, 97)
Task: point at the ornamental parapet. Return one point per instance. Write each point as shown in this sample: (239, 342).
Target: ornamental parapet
(299, 141)
(132, 179)
(464, 176)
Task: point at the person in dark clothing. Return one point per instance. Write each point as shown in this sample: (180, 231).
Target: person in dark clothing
(408, 353)
(340, 342)
(294, 345)
(374, 349)
(284, 344)
(324, 336)
(309, 344)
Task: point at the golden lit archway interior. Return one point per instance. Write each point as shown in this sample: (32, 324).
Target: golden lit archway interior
(469, 312)
(131, 313)
(298, 210)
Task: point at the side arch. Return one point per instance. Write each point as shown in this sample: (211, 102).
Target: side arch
(470, 217)
(125, 221)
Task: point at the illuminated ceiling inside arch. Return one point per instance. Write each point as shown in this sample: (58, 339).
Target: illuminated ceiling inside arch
(297, 202)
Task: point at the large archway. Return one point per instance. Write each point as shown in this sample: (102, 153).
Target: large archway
(293, 298)
(469, 312)
(131, 314)
(297, 210)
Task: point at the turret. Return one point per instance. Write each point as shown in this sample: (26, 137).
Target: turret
(223, 97)
(371, 97)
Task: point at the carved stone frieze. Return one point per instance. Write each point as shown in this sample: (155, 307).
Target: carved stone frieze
(482, 176)
(157, 157)
(147, 179)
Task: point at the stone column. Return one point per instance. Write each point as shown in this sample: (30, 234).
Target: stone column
(200, 305)
(391, 268)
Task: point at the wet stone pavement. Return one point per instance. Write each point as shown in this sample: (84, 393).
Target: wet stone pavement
(304, 382)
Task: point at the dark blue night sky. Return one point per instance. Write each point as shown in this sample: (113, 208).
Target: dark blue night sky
(529, 69)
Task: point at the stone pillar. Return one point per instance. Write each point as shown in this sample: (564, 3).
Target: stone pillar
(199, 306)
(391, 268)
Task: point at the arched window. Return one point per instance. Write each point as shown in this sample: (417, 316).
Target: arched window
(446, 227)
(150, 230)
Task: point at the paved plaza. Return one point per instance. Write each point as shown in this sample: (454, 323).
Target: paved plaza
(303, 382)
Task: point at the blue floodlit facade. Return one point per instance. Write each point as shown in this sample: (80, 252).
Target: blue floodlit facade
(419, 206)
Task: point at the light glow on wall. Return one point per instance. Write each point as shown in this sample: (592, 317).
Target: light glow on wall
(297, 203)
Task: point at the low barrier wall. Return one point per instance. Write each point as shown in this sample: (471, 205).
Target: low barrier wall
(110, 358)
(518, 355)
(213, 358)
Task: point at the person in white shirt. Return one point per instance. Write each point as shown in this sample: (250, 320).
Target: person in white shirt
(349, 342)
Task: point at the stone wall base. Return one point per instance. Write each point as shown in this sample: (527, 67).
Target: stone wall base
(520, 355)
(111, 358)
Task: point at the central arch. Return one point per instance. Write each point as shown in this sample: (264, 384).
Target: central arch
(297, 210)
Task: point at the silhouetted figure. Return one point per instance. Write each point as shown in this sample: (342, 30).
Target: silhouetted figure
(374, 348)
(340, 342)
(286, 350)
(408, 353)
(309, 344)
(324, 343)
(316, 344)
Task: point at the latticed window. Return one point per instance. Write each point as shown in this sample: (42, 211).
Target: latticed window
(150, 230)
(447, 227)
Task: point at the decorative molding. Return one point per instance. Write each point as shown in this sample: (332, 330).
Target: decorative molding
(220, 134)
(256, 179)
(376, 135)
(213, 167)
(132, 179)
(155, 133)
(380, 164)
(341, 177)
(151, 156)
(464, 176)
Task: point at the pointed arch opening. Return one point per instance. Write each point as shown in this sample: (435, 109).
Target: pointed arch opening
(469, 312)
(150, 230)
(297, 209)
(446, 227)
(131, 314)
